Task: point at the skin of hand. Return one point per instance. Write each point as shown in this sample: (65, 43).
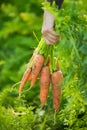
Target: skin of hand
(48, 29)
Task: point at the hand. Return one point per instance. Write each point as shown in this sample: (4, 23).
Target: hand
(47, 29)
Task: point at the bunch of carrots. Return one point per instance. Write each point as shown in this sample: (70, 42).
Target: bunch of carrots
(43, 64)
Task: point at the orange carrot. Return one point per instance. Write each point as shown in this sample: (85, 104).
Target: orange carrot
(56, 79)
(38, 64)
(30, 77)
(24, 79)
(44, 84)
(27, 75)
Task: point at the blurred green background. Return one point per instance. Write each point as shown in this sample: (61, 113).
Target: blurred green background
(19, 21)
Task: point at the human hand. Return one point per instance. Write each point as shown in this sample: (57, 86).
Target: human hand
(48, 29)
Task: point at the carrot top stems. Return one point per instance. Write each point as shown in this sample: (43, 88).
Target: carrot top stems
(51, 58)
(31, 62)
(46, 55)
(40, 45)
(43, 48)
(57, 65)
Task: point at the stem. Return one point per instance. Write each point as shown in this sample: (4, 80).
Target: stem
(51, 58)
(40, 45)
(55, 117)
(46, 54)
(42, 49)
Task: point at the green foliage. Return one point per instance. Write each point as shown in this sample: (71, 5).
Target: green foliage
(17, 41)
(18, 21)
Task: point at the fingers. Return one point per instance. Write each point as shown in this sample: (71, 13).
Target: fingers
(51, 37)
(50, 41)
(47, 28)
(50, 34)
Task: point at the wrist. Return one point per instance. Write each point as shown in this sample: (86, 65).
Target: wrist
(48, 21)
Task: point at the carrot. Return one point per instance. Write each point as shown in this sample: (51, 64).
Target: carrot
(44, 84)
(30, 77)
(56, 79)
(24, 79)
(38, 64)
